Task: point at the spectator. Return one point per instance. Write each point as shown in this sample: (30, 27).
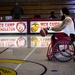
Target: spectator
(37, 16)
(52, 15)
(17, 11)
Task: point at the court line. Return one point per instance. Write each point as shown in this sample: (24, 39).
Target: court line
(25, 58)
(5, 49)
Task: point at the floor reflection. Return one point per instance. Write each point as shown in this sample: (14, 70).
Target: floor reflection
(39, 41)
(25, 41)
(14, 41)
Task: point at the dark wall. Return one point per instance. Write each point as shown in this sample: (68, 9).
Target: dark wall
(20, 0)
(24, 0)
(42, 7)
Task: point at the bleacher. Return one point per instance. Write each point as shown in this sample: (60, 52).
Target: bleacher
(38, 7)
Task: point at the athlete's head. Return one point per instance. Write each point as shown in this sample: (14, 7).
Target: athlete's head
(64, 11)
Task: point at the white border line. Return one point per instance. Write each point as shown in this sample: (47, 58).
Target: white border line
(25, 58)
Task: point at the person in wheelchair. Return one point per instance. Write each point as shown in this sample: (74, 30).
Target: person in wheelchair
(67, 26)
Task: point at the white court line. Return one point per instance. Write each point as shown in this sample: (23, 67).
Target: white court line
(25, 58)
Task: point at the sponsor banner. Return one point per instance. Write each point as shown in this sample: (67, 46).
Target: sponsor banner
(39, 41)
(13, 27)
(36, 26)
(14, 41)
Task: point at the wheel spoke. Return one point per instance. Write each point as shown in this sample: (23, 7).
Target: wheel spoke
(64, 50)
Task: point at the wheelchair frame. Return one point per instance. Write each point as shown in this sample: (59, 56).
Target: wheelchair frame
(66, 52)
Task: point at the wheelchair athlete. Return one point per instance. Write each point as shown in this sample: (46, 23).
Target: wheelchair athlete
(67, 26)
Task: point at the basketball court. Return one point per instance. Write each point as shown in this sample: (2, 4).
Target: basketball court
(26, 55)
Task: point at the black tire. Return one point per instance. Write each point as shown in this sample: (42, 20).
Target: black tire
(64, 54)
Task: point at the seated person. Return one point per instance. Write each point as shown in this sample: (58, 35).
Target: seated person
(37, 17)
(67, 25)
(52, 15)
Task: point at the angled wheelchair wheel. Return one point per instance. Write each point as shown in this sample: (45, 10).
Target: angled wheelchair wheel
(50, 52)
(63, 50)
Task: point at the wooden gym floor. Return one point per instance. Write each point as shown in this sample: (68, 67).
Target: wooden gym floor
(26, 55)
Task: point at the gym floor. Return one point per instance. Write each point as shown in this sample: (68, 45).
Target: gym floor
(26, 55)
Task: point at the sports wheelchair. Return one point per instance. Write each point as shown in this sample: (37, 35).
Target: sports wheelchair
(62, 48)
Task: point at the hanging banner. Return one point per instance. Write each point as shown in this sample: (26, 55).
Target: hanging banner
(13, 27)
(36, 26)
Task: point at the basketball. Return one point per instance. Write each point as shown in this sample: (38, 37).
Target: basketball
(43, 32)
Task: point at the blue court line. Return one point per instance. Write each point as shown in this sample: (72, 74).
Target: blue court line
(54, 70)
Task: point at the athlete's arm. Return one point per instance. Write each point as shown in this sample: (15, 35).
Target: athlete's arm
(64, 23)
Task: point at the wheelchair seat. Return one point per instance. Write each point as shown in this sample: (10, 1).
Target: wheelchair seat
(72, 37)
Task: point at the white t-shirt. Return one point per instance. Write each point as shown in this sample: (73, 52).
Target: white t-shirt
(69, 28)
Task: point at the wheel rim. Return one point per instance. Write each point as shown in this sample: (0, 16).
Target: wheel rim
(61, 58)
(63, 50)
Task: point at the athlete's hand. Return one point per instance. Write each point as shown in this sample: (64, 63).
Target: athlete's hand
(48, 28)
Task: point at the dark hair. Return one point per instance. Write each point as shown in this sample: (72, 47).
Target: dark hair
(52, 12)
(62, 17)
(36, 16)
(65, 10)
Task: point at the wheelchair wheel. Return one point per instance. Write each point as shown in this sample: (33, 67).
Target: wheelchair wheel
(63, 50)
(49, 52)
